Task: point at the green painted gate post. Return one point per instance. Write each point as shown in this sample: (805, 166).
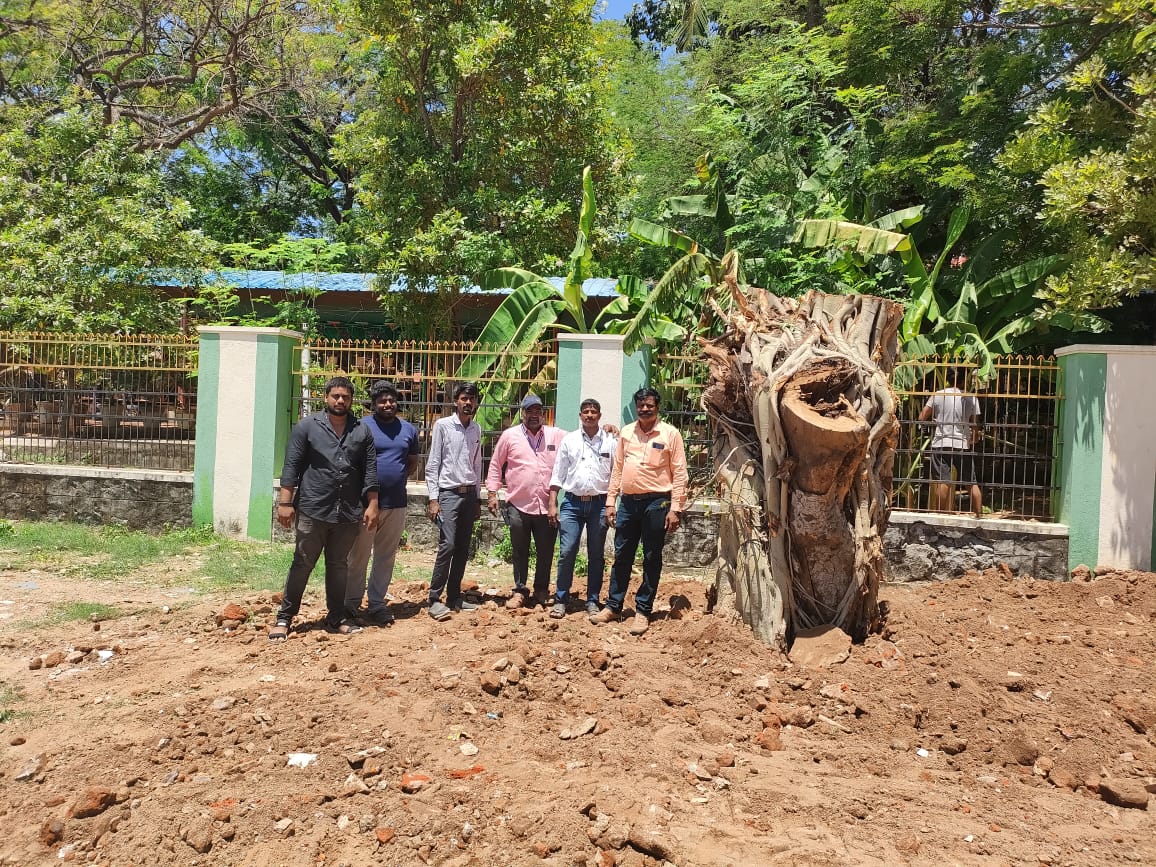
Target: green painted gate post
(244, 414)
(593, 365)
(1108, 455)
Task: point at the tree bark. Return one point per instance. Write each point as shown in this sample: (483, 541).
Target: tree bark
(805, 440)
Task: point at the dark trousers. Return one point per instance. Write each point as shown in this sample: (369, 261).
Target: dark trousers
(574, 515)
(313, 537)
(522, 527)
(459, 513)
(639, 517)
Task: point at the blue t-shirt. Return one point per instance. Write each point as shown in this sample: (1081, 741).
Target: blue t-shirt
(394, 442)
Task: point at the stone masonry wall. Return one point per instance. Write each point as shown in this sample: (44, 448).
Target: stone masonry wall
(922, 547)
(137, 499)
(918, 546)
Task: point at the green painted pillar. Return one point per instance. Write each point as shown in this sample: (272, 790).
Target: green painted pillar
(244, 414)
(1108, 456)
(594, 365)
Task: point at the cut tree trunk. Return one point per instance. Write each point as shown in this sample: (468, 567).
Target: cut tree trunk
(805, 440)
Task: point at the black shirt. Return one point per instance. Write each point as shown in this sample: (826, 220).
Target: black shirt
(332, 475)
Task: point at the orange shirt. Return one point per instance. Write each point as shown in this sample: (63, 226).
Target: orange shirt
(650, 463)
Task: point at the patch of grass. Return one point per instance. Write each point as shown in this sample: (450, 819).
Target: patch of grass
(9, 696)
(97, 552)
(230, 564)
(64, 612)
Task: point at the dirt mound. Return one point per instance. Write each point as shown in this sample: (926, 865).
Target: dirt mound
(994, 720)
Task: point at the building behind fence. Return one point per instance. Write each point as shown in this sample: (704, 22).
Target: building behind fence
(130, 401)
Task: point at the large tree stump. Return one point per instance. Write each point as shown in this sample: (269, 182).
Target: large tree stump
(805, 441)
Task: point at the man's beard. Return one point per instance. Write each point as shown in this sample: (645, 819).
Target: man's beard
(338, 410)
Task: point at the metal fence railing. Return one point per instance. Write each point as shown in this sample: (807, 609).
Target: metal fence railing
(1015, 458)
(424, 374)
(1016, 453)
(130, 401)
(98, 399)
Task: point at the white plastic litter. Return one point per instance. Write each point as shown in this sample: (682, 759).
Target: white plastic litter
(301, 760)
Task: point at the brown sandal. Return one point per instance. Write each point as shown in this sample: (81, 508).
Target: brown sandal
(280, 632)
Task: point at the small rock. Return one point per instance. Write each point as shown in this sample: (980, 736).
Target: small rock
(799, 717)
(1063, 779)
(384, 835)
(92, 803)
(53, 659)
(35, 663)
(501, 664)
(769, 739)
(73, 657)
(651, 842)
(200, 836)
(491, 682)
(513, 675)
(952, 745)
(820, 647)
(468, 748)
(599, 660)
(233, 612)
(51, 832)
(354, 785)
(367, 823)
(1124, 793)
(30, 768)
(16, 741)
(284, 827)
(585, 727)
(1021, 750)
(223, 702)
(700, 773)
(726, 760)
(412, 783)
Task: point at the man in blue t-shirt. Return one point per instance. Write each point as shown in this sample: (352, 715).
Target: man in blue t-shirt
(396, 442)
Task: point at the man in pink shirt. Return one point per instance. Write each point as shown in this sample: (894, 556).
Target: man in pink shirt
(524, 461)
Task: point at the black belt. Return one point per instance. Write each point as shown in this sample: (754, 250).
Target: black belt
(585, 498)
(461, 489)
(653, 496)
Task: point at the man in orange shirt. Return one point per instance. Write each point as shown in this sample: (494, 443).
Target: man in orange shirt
(650, 475)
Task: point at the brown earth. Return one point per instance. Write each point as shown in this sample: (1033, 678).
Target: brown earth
(998, 721)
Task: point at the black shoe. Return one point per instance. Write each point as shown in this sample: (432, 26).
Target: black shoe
(380, 618)
(463, 605)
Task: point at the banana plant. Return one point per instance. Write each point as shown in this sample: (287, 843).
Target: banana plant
(971, 313)
(535, 306)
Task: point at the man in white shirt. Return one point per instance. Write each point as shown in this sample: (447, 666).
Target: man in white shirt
(957, 429)
(582, 471)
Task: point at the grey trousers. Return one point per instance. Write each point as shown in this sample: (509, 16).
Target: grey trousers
(313, 537)
(456, 525)
(383, 541)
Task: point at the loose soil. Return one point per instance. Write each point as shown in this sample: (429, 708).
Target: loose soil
(995, 721)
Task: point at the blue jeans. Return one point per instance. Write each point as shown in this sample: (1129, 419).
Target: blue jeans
(573, 516)
(638, 518)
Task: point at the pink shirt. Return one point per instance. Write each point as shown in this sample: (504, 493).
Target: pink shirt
(527, 461)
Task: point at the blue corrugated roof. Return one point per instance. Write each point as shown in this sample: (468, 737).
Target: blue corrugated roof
(349, 281)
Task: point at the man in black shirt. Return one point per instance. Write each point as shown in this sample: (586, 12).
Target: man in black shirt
(330, 470)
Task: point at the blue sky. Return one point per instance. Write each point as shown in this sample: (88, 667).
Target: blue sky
(617, 8)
